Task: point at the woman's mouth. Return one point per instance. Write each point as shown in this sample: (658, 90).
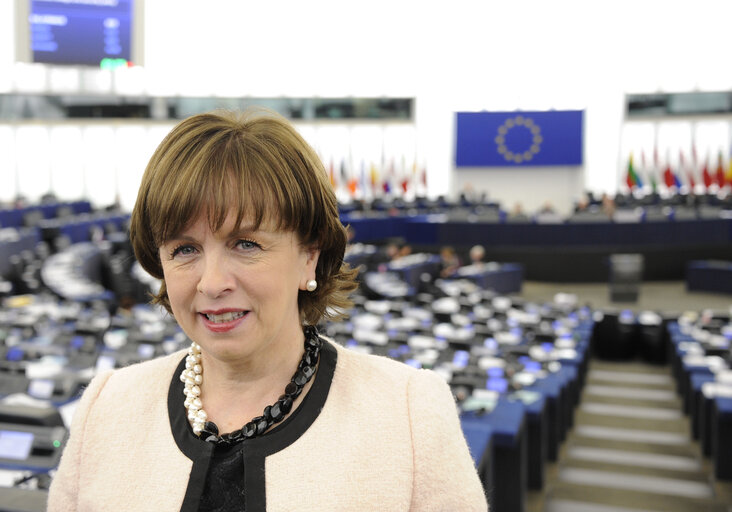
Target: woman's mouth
(225, 317)
(223, 321)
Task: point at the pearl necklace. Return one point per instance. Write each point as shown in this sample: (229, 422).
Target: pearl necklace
(192, 378)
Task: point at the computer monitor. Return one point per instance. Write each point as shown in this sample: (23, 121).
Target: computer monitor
(93, 33)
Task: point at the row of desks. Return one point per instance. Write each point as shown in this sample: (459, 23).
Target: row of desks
(15, 217)
(704, 382)
(512, 443)
(438, 230)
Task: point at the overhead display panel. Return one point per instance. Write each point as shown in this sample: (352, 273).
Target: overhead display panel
(707, 103)
(81, 32)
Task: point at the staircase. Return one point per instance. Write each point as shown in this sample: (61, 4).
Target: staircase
(631, 450)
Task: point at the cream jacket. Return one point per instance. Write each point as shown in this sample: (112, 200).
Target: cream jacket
(371, 435)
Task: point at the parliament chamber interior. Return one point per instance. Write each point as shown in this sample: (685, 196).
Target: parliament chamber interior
(558, 251)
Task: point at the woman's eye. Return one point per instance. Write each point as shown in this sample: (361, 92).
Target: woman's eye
(182, 250)
(247, 245)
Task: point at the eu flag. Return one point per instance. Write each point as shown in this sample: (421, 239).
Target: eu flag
(508, 139)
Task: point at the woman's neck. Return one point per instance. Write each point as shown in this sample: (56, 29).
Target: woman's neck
(235, 392)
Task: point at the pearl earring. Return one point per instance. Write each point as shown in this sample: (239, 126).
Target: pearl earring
(311, 285)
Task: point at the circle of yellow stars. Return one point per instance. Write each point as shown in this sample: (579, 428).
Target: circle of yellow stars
(519, 157)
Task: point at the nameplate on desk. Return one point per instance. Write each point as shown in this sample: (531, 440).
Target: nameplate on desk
(479, 404)
(526, 397)
(716, 389)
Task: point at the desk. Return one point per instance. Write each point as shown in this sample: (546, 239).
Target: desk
(27, 240)
(14, 217)
(510, 453)
(537, 440)
(578, 252)
(696, 403)
(722, 438)
(709, 276)
(479, 436)
(503, 279)
(551, 388)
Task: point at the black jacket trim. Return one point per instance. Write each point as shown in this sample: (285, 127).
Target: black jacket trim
(255, 450)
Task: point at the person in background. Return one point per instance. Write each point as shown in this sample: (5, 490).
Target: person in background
(477, 254)
(449, 261)
(236, 216)
(608, 205)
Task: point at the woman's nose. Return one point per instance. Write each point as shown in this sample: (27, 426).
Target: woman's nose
(216, 278)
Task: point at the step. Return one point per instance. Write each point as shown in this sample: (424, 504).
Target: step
(631, 392)
(631, 411)
(583, 506)
(592, 440)
(631, 378)
(674, 404)
(633, 460)
(628, 469)
(679, 425)
(624, 499)
(629, 367)
(622, 376)
(631, 435)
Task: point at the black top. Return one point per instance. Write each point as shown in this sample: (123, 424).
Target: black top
(231, 478)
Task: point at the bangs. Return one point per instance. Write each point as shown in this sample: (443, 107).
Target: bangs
(255, 181)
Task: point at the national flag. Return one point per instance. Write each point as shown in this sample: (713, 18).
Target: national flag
(706, 176)
(374, 174)
(331, 174)
(720, 171)
(349, 179)
(386, 186)
(631, 178)
(405, 182)
(694, 162)
(363, 183)
(653, 178)
(669, 178)
(386, 183)
(353, 187)
(684, 168)
(404, 176)
(344, 173)
(645, 169)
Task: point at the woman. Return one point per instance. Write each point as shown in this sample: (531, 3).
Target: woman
(237, 218)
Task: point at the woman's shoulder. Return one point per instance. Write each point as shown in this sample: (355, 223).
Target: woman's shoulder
(368, 362)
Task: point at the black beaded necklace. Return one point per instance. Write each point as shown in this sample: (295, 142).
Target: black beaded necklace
(276, 412)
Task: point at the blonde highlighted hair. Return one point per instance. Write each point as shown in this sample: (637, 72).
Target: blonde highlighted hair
(256, 164)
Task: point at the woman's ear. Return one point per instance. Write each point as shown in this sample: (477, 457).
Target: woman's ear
(312, 254)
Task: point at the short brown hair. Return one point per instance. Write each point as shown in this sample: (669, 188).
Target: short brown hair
(256, 163)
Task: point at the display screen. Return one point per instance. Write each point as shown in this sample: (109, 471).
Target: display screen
(86, 32)
(15, 445)
(41, 388)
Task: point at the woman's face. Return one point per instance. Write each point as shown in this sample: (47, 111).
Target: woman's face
(234, 292)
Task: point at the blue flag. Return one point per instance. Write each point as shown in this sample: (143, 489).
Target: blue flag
(508, 139)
